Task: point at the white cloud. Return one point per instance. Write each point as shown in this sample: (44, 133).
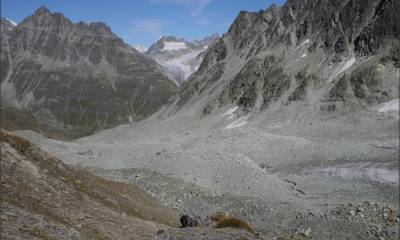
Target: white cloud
(152, 26)
(196, 6)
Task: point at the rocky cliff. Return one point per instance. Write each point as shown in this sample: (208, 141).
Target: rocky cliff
(329, 55)
(76, 78)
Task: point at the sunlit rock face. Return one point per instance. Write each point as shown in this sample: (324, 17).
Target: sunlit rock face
(329, 54)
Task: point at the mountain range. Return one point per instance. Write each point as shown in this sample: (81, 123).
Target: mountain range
(291, 122)
(71, 79)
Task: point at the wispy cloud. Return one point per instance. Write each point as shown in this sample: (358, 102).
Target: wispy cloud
(202, 22)
(152, 26)
(196, 6)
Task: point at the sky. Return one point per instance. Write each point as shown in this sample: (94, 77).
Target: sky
(142, 22)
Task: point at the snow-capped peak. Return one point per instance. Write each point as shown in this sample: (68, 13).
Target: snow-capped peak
(140, 48)
(12, 22)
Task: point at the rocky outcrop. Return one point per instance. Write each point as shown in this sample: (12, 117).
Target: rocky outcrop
(316, 52)
(78, 77)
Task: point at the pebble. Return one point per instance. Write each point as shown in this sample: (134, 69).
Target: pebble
(352, 213)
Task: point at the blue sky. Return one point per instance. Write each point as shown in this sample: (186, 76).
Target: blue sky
(143, 21)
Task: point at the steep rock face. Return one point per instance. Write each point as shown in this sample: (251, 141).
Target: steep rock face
(321, 53)
(78, 77)
(179, 57)
(5, 28)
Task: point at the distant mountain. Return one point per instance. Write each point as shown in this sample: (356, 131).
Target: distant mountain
(140, 48)
(12, 22)
(7, 25)
(72, 79)
(179, 57)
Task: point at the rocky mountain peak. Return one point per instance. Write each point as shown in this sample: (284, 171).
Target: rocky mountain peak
(170, 39)
(44, 18)
(101, 27)
(208, 41)
(42, 10)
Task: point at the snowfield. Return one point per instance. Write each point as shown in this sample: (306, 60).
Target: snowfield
(375, 172)
(170, 46)
(140, 48)
(390, 106)
(182, 65)
(230, 113)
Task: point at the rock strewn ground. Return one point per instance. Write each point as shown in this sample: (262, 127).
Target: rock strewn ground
(42, 198)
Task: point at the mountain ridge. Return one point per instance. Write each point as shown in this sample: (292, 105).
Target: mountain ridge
(90, 63)
(300, 47)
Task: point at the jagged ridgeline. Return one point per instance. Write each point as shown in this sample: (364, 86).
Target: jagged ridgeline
(330, 55)
(67, 79)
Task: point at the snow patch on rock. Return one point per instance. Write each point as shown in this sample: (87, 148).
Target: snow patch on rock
(342, 68)
(302, 56)
(390, 106)
(230, 113)
(346, 66)
(374, 172)
(238, 123)
(12, 22)
(304, 43)
(140, 48)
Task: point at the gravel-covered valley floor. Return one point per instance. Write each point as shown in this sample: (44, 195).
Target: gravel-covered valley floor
(332, 176)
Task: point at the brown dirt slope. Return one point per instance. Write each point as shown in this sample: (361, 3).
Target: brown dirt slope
(42, 198)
